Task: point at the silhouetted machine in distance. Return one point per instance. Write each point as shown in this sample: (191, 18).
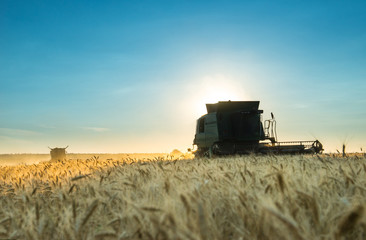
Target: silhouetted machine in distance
(235, 127)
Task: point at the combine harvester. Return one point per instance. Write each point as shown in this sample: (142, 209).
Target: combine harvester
(235, 127)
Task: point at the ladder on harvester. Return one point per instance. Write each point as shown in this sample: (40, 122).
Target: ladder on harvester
(270, 131)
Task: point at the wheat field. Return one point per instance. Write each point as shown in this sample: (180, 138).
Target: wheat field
(156, 197)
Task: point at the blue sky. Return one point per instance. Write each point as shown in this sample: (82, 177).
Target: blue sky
(128, 76)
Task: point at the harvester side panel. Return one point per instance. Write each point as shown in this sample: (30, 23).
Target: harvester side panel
(240, 126)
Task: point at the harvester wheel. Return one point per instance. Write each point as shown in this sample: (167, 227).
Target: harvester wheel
(201, 152)
(215, 149)
(208, 153)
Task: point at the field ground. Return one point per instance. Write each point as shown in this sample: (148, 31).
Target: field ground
(17, 159)
(154, 197)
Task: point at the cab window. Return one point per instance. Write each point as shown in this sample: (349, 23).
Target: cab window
(201, 127)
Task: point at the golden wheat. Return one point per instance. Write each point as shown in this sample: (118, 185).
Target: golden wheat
(248, 197)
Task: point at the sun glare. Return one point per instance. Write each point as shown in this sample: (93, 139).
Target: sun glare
(217, 88)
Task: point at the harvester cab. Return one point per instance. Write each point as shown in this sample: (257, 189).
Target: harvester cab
(58, 154)
(235, 127)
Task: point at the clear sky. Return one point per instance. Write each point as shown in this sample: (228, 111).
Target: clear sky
(133, 76)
